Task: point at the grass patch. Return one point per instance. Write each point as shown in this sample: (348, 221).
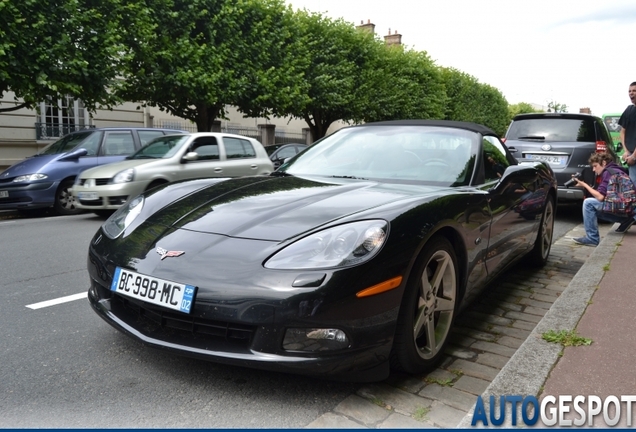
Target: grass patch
(566, 338)
(606, 267)
(421, 413)
(443, 382)
(378, 402)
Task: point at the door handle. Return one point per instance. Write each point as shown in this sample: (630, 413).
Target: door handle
(218, 170)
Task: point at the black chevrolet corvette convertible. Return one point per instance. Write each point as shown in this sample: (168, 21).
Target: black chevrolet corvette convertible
(353, 258)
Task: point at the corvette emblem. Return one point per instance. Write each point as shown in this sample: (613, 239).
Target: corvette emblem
(166, 253)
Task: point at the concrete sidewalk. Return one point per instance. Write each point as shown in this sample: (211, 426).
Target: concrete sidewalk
(599, 304)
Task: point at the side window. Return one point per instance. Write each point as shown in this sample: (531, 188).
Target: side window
(207, 148)
(118, 143)
(236, 148)
(146, 136)
(91, 144)
(286, 153)
(495, 160)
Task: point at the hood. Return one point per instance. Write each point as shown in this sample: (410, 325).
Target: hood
(31, 165)
(277, 208)
(109, 170)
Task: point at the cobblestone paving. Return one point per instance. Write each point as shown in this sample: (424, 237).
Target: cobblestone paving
(484, 338)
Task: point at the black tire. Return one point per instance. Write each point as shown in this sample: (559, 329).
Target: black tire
(427, 312)
(540, 253)
(154, 184)
(103, 213)
(64, 201)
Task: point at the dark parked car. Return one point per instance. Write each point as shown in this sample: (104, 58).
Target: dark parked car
(280, 153)
(45, 179)
(563, 140)
(351, 258)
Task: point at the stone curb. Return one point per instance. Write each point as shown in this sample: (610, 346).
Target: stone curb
(527, 370)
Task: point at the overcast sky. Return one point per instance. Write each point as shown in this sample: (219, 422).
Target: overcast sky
(580, 53)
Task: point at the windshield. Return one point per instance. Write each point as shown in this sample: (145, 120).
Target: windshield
(71, 141)
(429, 154)
(553, 129)
(158, 148)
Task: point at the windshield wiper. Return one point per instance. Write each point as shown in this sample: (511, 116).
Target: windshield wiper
(144, 157)
(281, 174)
(349, 177)
(532, 137)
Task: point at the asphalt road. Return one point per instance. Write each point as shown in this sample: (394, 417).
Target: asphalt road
(62, 366)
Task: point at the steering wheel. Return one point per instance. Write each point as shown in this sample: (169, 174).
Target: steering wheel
(436, 161)
(410, 153)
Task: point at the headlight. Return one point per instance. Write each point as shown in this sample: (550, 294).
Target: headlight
(340, 246)
(124, 176)
(30, 177)
(123, 217)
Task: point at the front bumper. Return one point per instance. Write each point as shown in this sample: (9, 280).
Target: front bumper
(28, 196)
(110, 197)
(248, 330)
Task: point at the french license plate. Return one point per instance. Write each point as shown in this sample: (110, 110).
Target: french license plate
(88, 196)
(552, 160)
(4, 194)
(153, 290)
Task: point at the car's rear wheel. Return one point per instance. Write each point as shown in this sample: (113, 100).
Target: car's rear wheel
(539, 254)
(428, 309)
(64, 201)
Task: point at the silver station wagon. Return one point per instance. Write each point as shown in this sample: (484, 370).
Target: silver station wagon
(166, 159)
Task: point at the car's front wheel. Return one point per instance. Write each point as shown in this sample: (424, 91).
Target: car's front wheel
(64, 201)
(428, 309)
(539, 254)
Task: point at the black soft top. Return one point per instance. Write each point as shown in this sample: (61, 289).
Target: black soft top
(473, 127)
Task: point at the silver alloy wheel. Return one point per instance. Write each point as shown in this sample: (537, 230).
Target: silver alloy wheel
(435, 305)
(66, 199)
(547, 228)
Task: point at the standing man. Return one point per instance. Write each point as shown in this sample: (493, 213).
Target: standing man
(628, 141)
(628, 133)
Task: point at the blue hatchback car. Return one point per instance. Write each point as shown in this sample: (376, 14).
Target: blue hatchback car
(44, 179)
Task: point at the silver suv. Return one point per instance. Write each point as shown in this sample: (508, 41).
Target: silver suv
(563, 140)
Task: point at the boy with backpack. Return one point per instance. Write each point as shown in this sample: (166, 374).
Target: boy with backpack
(616, 186)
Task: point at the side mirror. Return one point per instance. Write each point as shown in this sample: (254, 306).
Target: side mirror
(190, 156)
(75, 154)
(515, 174)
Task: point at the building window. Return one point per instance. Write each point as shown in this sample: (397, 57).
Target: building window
(60, 117)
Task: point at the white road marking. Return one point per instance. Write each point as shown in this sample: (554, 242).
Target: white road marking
(58, 301)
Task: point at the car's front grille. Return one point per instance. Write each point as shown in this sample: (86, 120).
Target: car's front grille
(91, 203)
(14, 200)
(186, 328)
(98, 182)
(117, 200)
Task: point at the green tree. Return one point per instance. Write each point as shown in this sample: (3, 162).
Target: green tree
(335, 55)
(194, 57)
(52, 49)
(470, 100)
(521, 108)
(557, 107)
(402, 84)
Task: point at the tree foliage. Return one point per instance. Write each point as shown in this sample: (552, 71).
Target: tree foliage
(470, 100)
(521, 108)
(194, 57)
(51, 49)
(335, 56)
(557, 107)
(402, 84)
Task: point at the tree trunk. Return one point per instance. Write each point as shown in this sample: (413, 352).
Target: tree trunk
(206, 114)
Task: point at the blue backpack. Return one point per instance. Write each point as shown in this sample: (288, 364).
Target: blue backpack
(621, 195)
